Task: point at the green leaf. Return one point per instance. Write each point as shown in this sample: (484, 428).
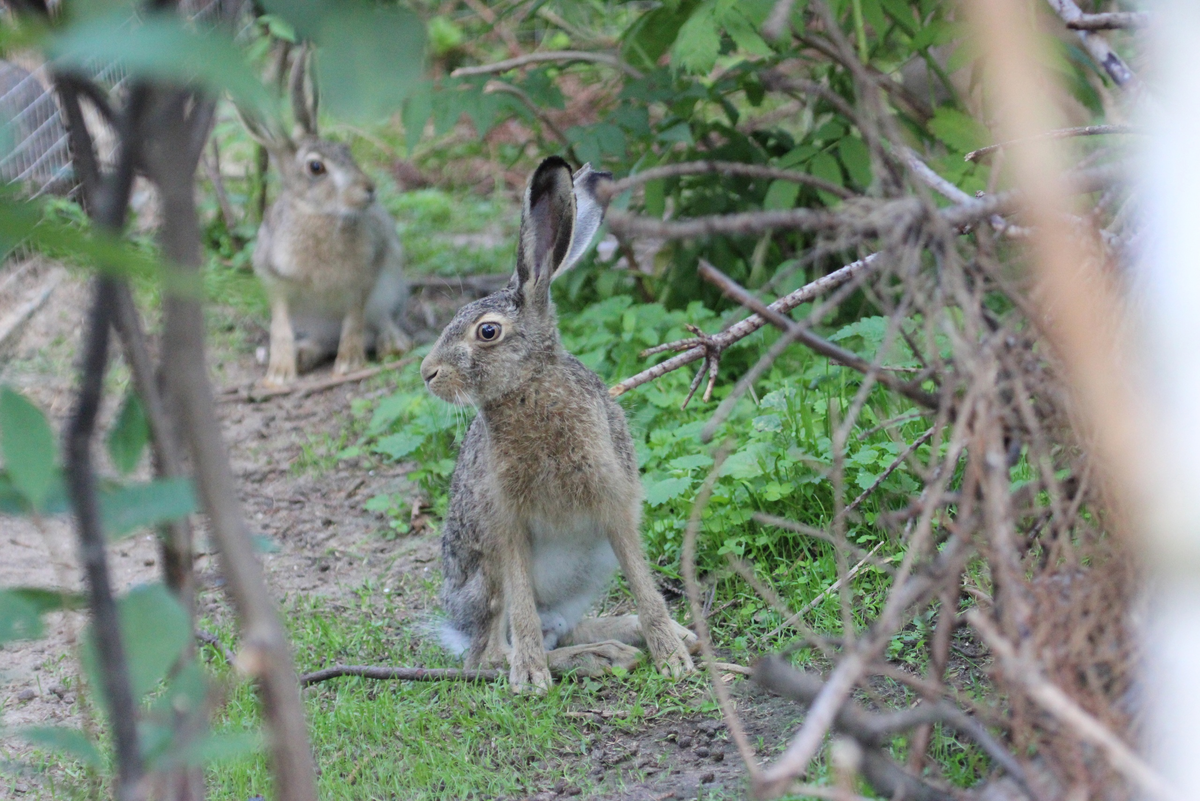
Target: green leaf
(220, 747)
(397, 446)
(699, 42)
(660, 492)
(958, 131)
(27, 444)
(856, 159)
(826, 166)
(655, 201)
(781, 195)
(126, 509)
(372, 59)
(163, 47)
(654, 32)
(19, 619)
(154, 631)
(71, 742)
(744, 34)
(129, 435)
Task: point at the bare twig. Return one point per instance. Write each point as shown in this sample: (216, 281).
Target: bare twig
(688, 567)
(803, 335)
(208, 638)
(1096, 46)
(808, 607)
(1061, 133)
(610, 189)
(1023, 672)
(752, 323)
(552, 56)
(1109, 20)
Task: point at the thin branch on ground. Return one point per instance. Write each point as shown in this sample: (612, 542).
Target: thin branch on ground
(399, 674)
(548, 56)
(254, 394)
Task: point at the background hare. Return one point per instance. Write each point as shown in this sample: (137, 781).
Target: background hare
(546, 499)
(327, 251)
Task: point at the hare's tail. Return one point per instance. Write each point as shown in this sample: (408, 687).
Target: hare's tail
(437, 627)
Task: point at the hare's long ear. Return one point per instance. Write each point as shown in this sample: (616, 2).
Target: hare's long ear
(304, 92)
(267, 131)
(547, 229)
(589, 213)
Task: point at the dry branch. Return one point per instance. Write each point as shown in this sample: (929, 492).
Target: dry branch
(748, 326)
(1096, 46)
(548, 56)
(398, 674)
(613, 188)
(255, 394)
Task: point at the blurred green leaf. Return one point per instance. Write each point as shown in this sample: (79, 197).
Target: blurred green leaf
(372, 58)
(165, 48)
(397, 446)
(699, 41)
(71, 742)
(27, 444)
(958, 131)
(129, 434)
(155, 628)
(19, 619)
(126, 509)
(781, 195)
(659, 492)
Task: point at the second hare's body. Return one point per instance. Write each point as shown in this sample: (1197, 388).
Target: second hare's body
(327, 252)
(545, 503)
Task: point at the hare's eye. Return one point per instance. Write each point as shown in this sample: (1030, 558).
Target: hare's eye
(488, 332)
(316, 167)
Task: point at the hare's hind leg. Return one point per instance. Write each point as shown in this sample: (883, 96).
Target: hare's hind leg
(281, 366)
(593, 659)
(622, 628)
(352, 347)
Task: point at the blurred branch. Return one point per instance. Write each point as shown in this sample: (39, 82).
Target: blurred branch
(1097, 46)
(548, 56)
(613, 188)
(508, 89)
(1062, 133)
(694, 350)
(1110, 20)
(1022, 671)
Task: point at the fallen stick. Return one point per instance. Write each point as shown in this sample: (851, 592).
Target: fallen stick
(304, 390)
(398, 674)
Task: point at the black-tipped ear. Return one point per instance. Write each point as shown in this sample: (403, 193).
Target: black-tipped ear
(547, 227)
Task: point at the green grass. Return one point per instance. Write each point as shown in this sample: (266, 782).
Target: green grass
(435, 740)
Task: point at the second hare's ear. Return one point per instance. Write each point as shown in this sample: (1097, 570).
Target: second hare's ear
(547, 228)
(589, 213)
(266, 131)
(304, 92)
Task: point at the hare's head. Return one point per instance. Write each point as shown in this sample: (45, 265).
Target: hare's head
(318, 175)
(494, 346)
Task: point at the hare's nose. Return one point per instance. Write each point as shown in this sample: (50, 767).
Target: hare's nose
(369, 190)
(429, 372)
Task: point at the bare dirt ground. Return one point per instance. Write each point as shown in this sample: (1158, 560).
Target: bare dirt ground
(325, 544)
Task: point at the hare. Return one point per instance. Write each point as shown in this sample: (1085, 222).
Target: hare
(327, 251)
(545, 501)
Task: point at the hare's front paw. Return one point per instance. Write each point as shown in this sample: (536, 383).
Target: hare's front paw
(669, 649)
(529, 672)
(281, 372)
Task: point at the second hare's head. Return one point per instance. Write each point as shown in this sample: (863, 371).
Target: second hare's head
(496, 345)
(319, 176)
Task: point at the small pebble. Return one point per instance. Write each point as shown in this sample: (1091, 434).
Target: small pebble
(701, 752)
(20, 788)
(148, 562)
(685, 742)
(58, 690)
(708, 778)
(26, 695)
(573, 789)
(718, 756)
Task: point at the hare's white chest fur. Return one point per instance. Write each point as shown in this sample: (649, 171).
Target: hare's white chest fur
(573, 563)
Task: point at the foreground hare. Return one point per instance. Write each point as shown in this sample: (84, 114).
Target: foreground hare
(546, 499)
(327, 251)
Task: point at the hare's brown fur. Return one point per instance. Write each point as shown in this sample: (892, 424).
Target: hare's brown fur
(327, 252)
(546, 498)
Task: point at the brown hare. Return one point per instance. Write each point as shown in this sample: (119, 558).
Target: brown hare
(327, 251)
(546, 501)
